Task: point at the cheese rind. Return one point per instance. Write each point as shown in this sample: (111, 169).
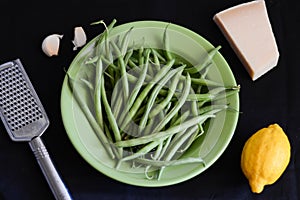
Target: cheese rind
(248, 30)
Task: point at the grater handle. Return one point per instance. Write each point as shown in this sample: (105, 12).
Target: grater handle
(42, 156)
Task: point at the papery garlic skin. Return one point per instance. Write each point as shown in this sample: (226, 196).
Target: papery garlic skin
(79, 37)
(50, 45)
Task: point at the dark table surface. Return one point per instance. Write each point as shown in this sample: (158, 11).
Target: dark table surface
(273, 98)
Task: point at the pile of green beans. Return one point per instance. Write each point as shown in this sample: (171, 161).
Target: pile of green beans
(148, 105)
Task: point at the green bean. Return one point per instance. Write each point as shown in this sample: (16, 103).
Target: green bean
(166, 42)
(139, 113)
(136, 89)
(163, 164)
(178, 136)
(155, 60)
(166, 110)
(123, 71)
(107, 47)
(159, 56)
(199, 97)
(174, 147)
(102, 22)
(99, 132)
(203, 76)
(162, 134)
(127, 56)
(152, 123)
(167, 99)
(203, 81)
(109, 64)
(138, 69)
(206, 96)
(194, 108)
(125, 42)
(192, 138)
(140, 81)
(177, 106)
(110, 115)
(97, 93)
(227, 93)
(109, 76)
(103, 35)
(145, 92)
(117, 107)
(207, 60)
(205, 71)
(131, 78)
(146, 172)
(180, 118)
(141, 57)
(198, 81)
(155, 92)
(157, 151)
(213, 107)
(144, 150)
(116, 99)
(92, 60)
(109, 137)
(134, 60)
(110, 70)
(132, 64)
(89, 85)
(181, 161)
(151, 72)
(165, 147)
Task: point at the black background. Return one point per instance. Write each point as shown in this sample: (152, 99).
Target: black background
(273, 98)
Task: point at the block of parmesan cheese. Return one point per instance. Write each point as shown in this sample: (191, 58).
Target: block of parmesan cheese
(248, 30)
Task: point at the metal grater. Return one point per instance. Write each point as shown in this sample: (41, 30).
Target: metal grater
(22, 112)
(26, 120)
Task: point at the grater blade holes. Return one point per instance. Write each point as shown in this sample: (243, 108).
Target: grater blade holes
(17, 100)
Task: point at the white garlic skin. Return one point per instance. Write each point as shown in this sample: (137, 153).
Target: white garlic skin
(50, 45)
(79, 38)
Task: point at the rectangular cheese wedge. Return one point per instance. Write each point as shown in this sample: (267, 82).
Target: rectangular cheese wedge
(248, 30)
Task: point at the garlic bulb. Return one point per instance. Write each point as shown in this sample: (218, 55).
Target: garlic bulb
(50, 45)
(79, 37)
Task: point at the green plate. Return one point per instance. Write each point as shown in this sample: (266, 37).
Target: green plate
(210, 146)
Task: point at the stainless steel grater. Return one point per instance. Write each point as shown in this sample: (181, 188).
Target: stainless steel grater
(26, 120)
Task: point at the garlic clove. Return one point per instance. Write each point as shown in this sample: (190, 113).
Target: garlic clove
(50, 45)
(79, 38)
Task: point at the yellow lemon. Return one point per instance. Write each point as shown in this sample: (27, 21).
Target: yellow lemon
(265, 156)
